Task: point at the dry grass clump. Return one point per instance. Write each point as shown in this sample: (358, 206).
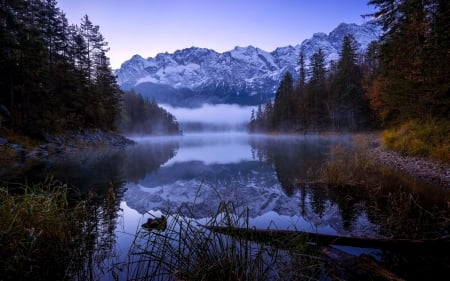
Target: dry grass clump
(421, 138)
(348, 165)
(37, 230)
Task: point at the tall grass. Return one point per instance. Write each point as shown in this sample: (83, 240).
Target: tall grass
(349, 165)
(402, 205)
(37, 230)
(188, 250)
(421, 138)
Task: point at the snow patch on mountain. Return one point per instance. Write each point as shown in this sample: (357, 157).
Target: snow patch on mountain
(244, 75)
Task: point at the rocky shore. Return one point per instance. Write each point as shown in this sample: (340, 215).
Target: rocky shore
(427, 170)
(57, 145)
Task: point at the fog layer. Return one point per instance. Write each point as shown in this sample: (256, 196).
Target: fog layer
(212, 117)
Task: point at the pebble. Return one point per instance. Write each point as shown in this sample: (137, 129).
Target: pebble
(428, 170)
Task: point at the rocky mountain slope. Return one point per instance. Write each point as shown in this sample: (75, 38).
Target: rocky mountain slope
(244, 75)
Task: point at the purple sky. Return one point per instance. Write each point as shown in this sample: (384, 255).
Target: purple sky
(149, 27)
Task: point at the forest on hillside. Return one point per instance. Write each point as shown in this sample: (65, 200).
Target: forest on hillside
(142, 116)
(56, 77)
(401, 83)
(402, 77)
(326, 98)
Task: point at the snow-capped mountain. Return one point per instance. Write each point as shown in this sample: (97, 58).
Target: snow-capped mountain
(244, 75)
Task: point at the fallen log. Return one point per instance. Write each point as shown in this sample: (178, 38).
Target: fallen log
(440, 244)
(349, 267)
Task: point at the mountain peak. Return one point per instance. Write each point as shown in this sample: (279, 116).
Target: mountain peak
(243, 75)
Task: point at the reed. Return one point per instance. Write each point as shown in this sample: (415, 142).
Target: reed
(349, 165)
(38, 230)
(188, 250)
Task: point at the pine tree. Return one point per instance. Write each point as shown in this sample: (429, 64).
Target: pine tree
(301, 116)
(283, 114)
(346, 96)
(55, 77)
(317, 92)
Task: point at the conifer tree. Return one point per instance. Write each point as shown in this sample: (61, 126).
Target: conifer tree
(44, 75)
(301, 116)
(317, 92)
(414, 50)
(283, 107)
(346, 94)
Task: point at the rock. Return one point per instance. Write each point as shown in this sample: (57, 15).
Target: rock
(18, 150)
(38, 154)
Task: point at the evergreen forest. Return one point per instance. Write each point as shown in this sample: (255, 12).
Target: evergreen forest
(142, 116)
(56, 77)
(401, 84)
(325, 98)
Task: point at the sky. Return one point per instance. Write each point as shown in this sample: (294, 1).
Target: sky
(149, 27)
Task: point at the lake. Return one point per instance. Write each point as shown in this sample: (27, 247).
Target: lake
(271, 177)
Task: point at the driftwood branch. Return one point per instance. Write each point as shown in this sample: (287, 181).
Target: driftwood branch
(348, 267)
(343, 266)
(441, 244)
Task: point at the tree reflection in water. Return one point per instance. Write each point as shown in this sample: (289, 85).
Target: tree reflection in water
(98, 177)
(401, 206)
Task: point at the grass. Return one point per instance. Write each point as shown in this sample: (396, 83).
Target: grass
(187, 250)
(43, 237)
(348, 165)
(404, 206)
(38, 230)
(419, 138)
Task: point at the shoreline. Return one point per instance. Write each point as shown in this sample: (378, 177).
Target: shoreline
(428, 170)
(54, 146)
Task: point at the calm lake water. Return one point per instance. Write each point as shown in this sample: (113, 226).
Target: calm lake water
(193, 174)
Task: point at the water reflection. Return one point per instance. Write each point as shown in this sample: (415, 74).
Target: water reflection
(272, 177)
(268, 175)
(99, 177)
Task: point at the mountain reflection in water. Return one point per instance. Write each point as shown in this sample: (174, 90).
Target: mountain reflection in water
(256, 172)
(271, 177)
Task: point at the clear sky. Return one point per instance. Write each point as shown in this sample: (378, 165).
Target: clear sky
(149, 27)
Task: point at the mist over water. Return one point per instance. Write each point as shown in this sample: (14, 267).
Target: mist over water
(212, 118)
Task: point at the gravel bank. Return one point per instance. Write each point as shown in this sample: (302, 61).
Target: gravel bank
(425, 169)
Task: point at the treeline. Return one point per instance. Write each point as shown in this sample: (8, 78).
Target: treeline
(326, 98)
(141, 116)
(56, 77)
(53, 76)
(402, 77)
(414, 77)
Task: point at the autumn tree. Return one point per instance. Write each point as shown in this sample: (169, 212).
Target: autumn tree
(415, 47)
